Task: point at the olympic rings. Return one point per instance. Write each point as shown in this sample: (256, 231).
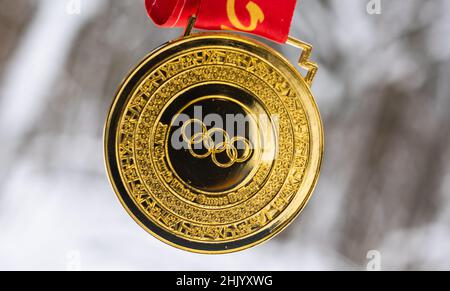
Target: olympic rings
(206, 138)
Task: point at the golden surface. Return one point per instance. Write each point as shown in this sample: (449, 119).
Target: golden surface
(282, 171)
(227, 146)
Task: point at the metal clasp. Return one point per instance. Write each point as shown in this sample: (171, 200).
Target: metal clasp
(190, 25)
(304, 61)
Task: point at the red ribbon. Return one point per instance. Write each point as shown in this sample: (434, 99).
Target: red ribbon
(267, 18)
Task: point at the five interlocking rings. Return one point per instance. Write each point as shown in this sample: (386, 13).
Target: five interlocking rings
(205, 139)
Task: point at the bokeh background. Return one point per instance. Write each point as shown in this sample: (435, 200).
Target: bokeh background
(383, 89)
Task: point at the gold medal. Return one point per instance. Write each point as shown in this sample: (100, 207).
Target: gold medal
(214, 142)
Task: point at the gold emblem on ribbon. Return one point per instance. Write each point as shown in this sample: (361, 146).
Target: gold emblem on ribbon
(256, 16)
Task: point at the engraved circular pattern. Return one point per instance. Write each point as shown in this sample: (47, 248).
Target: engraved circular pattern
(231, 196)
(248, 214)
(202, 214)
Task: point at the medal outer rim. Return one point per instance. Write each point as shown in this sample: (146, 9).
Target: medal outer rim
(269, 231)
